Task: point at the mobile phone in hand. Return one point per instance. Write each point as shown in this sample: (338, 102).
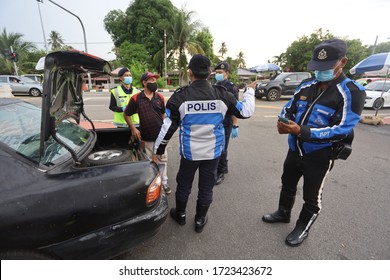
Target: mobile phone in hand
(284, 120)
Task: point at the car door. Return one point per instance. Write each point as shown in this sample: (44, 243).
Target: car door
(386, 97)
(290, 84)
(17, 86)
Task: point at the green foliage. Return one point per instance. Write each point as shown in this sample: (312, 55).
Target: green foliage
(115, 25)
(206, 42)
(180, 33)
(298, 54)
(22, 48)
(130, 54)
(55, 41)
(380, 48)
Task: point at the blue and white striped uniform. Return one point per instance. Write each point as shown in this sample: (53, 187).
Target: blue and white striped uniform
(199, 110)
(326, 116)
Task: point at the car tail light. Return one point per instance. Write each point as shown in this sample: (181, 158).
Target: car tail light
(154, 191)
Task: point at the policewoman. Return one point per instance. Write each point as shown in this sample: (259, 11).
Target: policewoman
(323, 111)
(230, 123)
(199, 110)
(120, 97)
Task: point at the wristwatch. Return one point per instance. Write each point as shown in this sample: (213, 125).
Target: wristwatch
(235, 126)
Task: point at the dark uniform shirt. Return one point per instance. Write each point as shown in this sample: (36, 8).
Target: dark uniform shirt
(231, 87)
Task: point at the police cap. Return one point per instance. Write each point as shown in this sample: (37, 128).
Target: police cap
(222, 66)
(199, 63)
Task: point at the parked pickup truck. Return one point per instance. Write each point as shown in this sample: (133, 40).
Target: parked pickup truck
(283, 84)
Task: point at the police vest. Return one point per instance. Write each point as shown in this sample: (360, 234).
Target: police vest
(122, 99)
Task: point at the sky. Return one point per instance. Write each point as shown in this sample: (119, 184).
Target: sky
(259, 29)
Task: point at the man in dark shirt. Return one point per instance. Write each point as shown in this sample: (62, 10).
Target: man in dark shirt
(150, 106)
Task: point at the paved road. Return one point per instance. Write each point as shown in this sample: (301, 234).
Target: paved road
(354, 222)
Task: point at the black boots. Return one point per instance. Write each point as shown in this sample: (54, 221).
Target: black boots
(200, 217)
(283, 214)
(298, 235)
(179, 213)
(220, 178)
(301, 230)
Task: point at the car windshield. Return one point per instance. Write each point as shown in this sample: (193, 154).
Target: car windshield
(281, 76)
(378, 86)
(20, 128)
(27, 80)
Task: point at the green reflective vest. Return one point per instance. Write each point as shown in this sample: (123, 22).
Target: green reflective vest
(122, 99)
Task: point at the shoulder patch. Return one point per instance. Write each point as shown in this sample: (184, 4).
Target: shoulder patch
(179, 89)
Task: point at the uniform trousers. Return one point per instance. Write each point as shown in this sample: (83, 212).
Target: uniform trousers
(185, 177)
(223, 161)
(314, 167)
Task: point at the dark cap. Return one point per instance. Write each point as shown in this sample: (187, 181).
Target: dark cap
(199, 63)
(222, 66)
(123, 71)
(148, 75)
(326, 54)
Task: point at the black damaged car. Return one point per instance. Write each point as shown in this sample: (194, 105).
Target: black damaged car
(68, 192)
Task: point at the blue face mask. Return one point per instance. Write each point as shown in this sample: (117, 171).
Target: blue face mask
(128, 80)
(219, 77)
(324, 76)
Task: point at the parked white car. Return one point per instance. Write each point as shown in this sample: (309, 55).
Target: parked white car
(374, 91)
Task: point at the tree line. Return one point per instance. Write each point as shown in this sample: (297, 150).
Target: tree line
(141, 32)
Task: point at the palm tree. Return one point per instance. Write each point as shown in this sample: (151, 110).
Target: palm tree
(223, 50)
(180, 40)
(22, 48)
(55, 40)
(241, 60)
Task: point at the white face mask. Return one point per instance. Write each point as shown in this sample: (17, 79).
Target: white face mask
(219, 77)
(128, 80)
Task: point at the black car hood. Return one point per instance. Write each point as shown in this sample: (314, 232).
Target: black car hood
(62, 87)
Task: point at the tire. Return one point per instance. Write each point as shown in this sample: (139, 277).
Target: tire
(35, 92)
(378, 104)
(107, 157)
(24, 255)
(273, 94)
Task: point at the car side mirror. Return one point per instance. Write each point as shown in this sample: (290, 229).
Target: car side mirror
(287, 80)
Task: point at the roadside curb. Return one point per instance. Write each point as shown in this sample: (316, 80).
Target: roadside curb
(378, 120)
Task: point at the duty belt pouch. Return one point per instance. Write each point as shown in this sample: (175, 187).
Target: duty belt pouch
(341, 150)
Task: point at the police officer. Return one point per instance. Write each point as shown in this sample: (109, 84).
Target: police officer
(199, 110)
(230, 123)
(120, 97)
(323, 110)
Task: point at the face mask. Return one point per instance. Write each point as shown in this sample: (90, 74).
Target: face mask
(324, 76)
(151, 86)
(128, 80)
(219, 77)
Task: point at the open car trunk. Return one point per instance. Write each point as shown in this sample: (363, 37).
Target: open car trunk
(113, 145)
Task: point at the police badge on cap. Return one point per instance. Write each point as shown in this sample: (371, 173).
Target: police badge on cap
(222, 66)
(326, 54)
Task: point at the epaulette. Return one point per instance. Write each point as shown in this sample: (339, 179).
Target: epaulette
(219, 86)
(179, 89)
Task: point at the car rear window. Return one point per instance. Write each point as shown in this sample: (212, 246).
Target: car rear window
(20, 128)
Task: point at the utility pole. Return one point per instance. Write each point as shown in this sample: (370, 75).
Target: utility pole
(373, 49)
(43, 30)
(85, 38)
(16, 67)
(165, 60)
